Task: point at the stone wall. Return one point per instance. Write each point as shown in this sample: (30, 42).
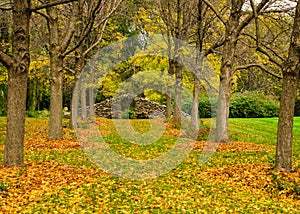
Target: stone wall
(141, 107)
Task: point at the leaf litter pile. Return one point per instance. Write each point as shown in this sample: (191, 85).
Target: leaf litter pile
(238, 178)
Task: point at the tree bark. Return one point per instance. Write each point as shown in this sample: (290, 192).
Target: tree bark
(291, 69)
(195, 112)
(91, 112)
(83, 97)
(169, 89)
(56, 76)
(178, 94)
(56, 96)
(17, 85)
(226, 72)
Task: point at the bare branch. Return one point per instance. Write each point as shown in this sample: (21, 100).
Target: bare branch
(98, 41)
(271, 58)
(6, 6)
(51, 4)
(87, 29)
(251, 16)
(215, 46)
(70, 31)
(245, 67)
(5, 59)
(42, 14)
(215, 11)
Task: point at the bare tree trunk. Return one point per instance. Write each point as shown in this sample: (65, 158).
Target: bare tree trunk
(168, 104)
(223, 109)
(75, 103)
(169, 89)
(56, 76)
(91, 94)
(225, 87)
(195, 112)
(17, 85)
(226, 72)
(83, 97)
(178, 93)
(56, 99)
(291, 71)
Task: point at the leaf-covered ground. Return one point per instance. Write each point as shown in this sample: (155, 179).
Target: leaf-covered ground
(59, 178)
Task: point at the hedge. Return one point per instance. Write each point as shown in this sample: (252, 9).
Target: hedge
(243, 105)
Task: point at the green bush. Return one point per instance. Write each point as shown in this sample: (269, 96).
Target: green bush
(246, 105)
(253, 105)
(204, 108)
(207, 107)
(129, 114)
(38, 114)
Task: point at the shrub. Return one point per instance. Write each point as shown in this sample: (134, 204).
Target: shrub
(38, 114)
(253, 105)
(246, 105)
(129, 114)
(206, 106)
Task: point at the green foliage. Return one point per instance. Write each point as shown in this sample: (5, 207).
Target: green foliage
(205, 108)
(38, 114)
(246, 105)
(253, 105)
(129, 114)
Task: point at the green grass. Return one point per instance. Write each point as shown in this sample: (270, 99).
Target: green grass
(261, 130)
(185, 189)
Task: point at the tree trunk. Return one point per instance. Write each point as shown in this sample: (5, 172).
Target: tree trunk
(178, 94)
(169, 89)
(168, 104)
(223, 109)
(291, 71)
(195, 114)
(75, 103)
(56, 96)
(17, 85)
(56, 76)
(83, 97)
(91, 112)
(226, 72)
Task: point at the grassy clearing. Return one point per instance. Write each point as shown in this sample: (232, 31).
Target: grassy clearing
(60, 178)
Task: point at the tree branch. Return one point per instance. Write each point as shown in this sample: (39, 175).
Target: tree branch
(251, 16)
(271, 58)
(6, 6)
(98, 41)
(215, 11)
(216, 45)
(70, 30)
(87, 30)
(52, 4)
(244, 67)
(5, 59)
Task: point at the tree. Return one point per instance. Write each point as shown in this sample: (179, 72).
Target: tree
(89, 46)
(291, 70)
(60, 46)
(17, 63)
(178, 18)
(234, 25)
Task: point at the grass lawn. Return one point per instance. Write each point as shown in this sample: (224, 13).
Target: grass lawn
(238, 178)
